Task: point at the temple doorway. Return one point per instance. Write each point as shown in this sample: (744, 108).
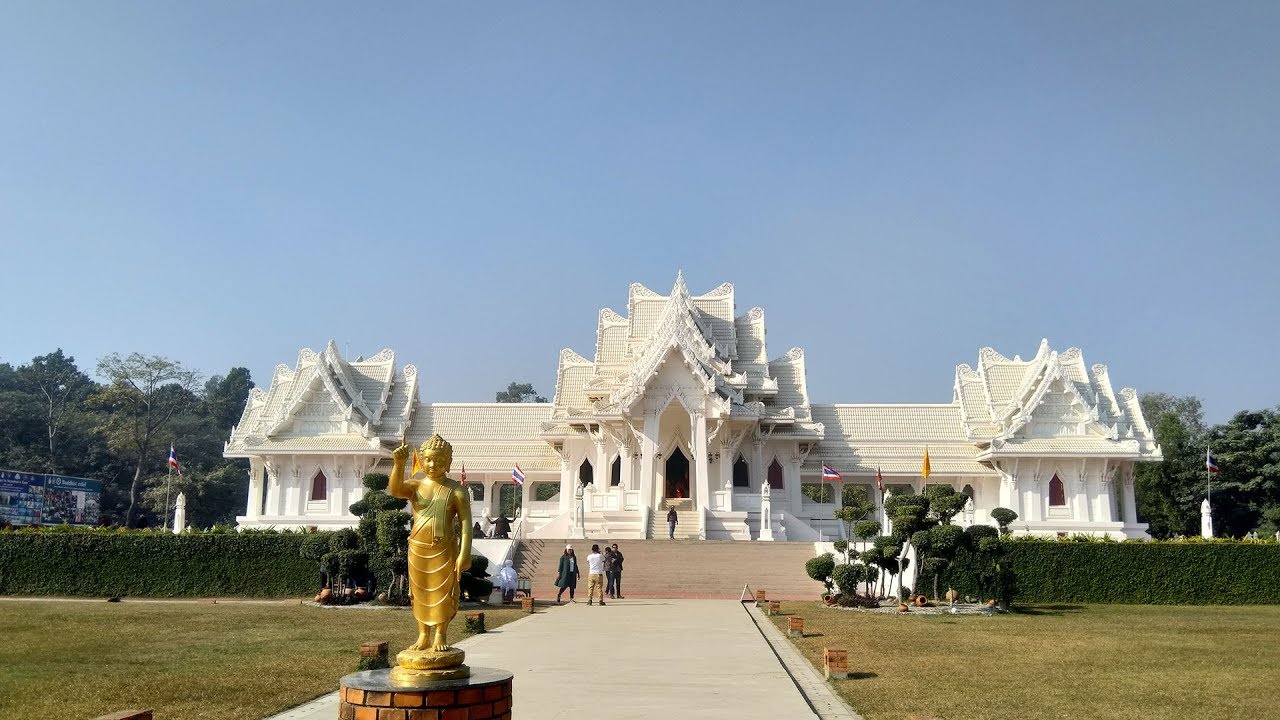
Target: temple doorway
(676, 477)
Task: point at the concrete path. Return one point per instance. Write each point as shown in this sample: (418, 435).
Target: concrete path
(637, 658)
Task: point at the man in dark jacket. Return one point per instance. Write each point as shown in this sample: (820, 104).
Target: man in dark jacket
(613, 571)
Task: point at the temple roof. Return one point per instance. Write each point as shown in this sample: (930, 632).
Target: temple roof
(328, 403)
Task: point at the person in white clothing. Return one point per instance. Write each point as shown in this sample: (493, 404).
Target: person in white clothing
(507, 582)
(595, 577)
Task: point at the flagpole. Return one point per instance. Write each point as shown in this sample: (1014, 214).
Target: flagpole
(166, 494)
(1208, 477)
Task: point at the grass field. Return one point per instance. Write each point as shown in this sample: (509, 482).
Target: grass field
(1055, 661)
(187, 661)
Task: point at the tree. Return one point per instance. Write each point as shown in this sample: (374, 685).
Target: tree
(820, 569)
(224, 398)
(61, 389)
(945, 502)
(1169, 493)
(519, 393)
(1248, 451)
(1004, 517)
(384, 536)
(143, 395)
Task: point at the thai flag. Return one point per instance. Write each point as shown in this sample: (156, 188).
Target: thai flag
(517, 476)
(828, 473)
(1211, 462)
(464, 474)
(173, 461)
(879, 480)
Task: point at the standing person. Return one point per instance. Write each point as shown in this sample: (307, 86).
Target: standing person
(568, 577)
(671, 523)
(617, 571)
(610, 572)
(595, 577)
(507, 581)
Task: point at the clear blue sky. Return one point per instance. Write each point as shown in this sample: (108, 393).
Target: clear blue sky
(896, 184)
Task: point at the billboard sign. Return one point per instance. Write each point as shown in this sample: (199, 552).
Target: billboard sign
(34, 499)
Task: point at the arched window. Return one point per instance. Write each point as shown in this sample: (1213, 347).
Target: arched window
(1057, 493)
(775, 474)
(615, 472)
(319, 486)
(586, 474)
(741, 473)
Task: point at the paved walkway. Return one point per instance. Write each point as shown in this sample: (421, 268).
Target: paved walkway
(636, 658)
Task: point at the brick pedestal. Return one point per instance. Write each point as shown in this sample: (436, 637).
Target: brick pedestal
(760, 598)
(775, 607)
(372, 695)
(835, 663)
(526, 604)
(795, 627)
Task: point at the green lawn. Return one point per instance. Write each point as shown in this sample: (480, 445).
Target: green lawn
(187, 661)
(1055, 661)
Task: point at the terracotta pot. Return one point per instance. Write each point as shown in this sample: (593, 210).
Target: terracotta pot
(952, 596)
(921, 601)
(324, 595)
(903, 607)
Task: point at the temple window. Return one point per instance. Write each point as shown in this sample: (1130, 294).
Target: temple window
(1057, 493)
(586, 474)
(319, 486)
(615, 472)
(741, 473)
(775, 475)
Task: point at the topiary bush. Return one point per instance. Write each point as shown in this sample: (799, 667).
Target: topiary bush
(820, 569)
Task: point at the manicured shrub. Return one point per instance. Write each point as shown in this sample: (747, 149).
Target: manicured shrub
(145, 563)
(820, 569)
(847, 578)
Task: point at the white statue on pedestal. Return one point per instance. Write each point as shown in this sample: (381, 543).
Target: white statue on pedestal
(1206, 519)
(766, 514)
(180, 514)
(578, 519)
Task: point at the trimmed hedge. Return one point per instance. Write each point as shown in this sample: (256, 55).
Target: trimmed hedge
(105, 563)
(1158, 573)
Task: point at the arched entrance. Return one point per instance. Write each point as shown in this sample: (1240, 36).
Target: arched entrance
(676, 475)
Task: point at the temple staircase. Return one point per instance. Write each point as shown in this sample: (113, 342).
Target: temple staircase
(681, 568)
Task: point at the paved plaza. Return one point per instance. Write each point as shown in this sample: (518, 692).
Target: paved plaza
(637, 659)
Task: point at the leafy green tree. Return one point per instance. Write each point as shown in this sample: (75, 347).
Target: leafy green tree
(1004, 517)
(143, 396)
(60, 388)
(1169, 493)
(519, 393)
(847, 577)
(820, 569)
(945, 502)
(224, 398)
(384, 536)
(1247, 448)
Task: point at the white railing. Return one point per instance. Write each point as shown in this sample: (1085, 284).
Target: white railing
(722, 500)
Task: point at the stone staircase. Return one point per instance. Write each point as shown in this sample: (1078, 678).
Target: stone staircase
(681, 568)
(686, 526)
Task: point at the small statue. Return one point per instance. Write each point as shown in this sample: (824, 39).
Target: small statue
(437, 559)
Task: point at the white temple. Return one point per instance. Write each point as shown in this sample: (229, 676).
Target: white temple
(681, 406)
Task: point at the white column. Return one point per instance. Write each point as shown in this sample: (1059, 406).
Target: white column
(793, 484)
(293, 493)
(601, 471)
(759, 475)
(180, 514)
(253, 506)
(648, 449)
(338, 498)
(1130, 505)
(566, 481)
(275, 489)
(628, 467)
(702, 470)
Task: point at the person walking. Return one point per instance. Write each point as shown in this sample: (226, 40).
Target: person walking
(568, 577)
(671, 523)
(595, 576)
(617, 572)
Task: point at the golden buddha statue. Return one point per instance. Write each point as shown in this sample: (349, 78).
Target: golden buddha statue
(437, 558)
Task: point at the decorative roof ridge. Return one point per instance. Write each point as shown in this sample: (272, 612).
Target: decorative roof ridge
(719, 291)
(569, 357)
(887, 405)
(1036, 367)
(385, 356)
(795, 354)
(341, 373)
(754, 315)
(489, 404)
(607, 315)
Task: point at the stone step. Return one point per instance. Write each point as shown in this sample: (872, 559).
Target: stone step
(682, 568)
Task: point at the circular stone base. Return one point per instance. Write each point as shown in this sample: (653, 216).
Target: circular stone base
(371, 693)
(430, 659)
(406, 675)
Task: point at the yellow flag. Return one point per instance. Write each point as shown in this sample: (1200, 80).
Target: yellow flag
(924, 468)
(417, 464)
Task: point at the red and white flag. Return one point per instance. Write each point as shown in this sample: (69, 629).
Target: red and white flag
(173, 461)
(463, 479)
(879, 480)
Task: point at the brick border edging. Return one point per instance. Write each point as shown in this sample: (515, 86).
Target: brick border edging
(817, 693)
